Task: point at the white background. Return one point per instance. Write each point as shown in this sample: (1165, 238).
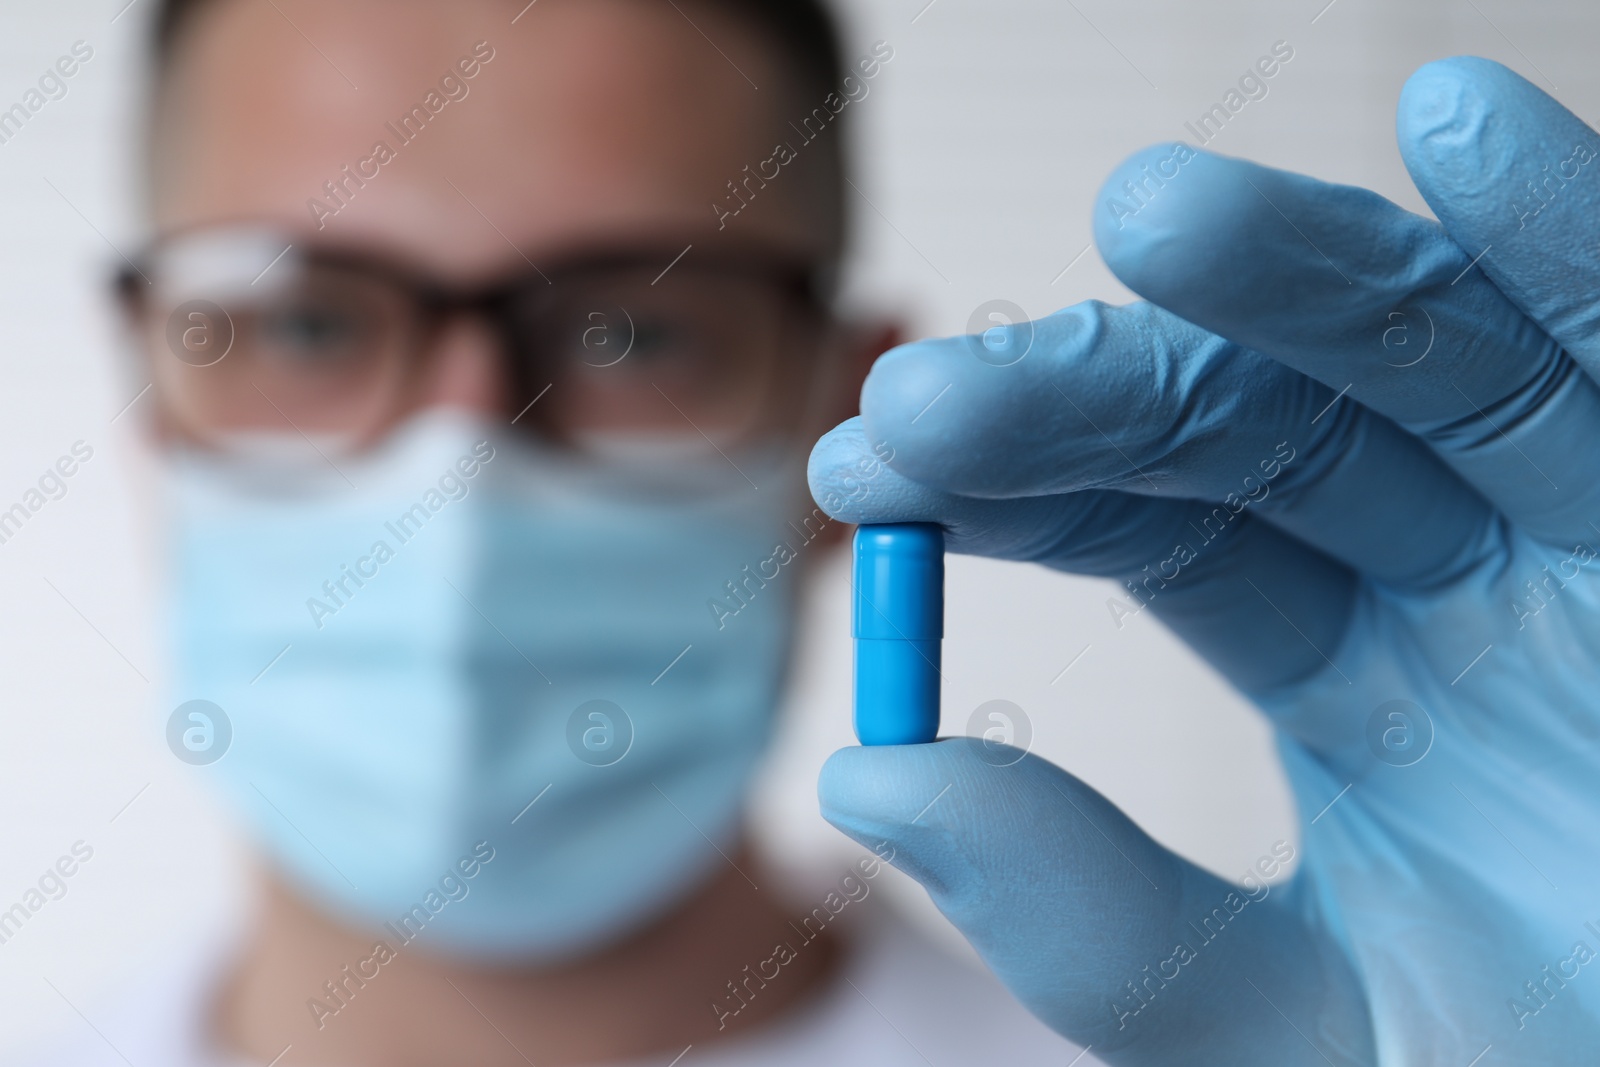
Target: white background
(980, 148)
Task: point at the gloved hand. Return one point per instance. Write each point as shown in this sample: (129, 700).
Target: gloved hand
(1359, 475)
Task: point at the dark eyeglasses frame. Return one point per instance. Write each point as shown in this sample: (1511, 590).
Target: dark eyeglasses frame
(809, 284)
(806, 284)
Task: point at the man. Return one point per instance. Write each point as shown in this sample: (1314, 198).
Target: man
(487, 343)
(497, 836)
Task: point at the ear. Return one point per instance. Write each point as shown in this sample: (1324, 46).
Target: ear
(869, 342)
(855, 346)
(858, 346)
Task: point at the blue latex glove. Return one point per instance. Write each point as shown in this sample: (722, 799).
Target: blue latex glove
(1430, 542)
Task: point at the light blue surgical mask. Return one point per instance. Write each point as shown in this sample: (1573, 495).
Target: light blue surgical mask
(457, 648)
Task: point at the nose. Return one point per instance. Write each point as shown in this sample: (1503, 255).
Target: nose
(467, 370)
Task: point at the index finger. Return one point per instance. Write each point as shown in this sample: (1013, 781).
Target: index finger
(1138, 400)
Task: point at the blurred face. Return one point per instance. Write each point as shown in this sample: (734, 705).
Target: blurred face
(471, 249)
(455, 152)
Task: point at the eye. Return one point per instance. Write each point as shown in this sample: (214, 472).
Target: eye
(308, 332)
(661, 338)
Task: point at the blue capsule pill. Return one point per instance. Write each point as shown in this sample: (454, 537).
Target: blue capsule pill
(897, 620)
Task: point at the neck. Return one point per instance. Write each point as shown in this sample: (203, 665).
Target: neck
(655, 993)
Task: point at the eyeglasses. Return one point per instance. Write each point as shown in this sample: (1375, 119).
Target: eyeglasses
(247, 333)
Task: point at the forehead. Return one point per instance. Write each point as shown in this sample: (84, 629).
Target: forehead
(614, 121)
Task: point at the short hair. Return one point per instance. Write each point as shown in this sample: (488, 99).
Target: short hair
(802, 33)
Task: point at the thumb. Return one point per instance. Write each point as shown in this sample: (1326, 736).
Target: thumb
(1111, 939)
